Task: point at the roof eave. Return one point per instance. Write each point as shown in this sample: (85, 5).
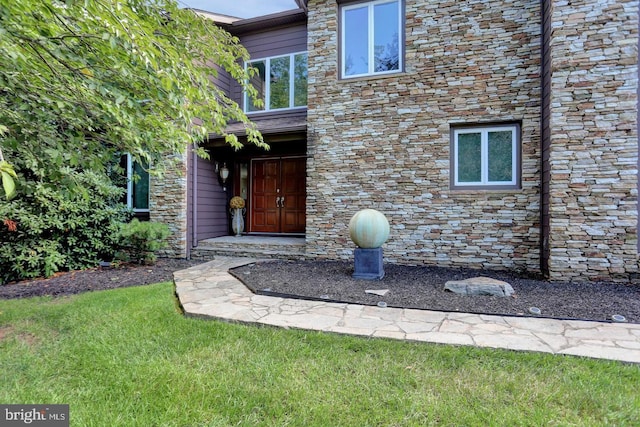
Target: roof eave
(273, 20)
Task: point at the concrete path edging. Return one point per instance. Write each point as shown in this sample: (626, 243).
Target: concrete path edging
(208, 290)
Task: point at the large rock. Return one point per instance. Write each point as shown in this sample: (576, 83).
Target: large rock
(479, 286)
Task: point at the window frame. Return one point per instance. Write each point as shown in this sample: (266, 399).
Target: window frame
(345, 6)
(267, 91)
(131, 184)
(484, 183)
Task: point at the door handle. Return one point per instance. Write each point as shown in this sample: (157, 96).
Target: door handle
(282, 202)
(277, 202)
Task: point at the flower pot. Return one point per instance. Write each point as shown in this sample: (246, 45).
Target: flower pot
(237, 221)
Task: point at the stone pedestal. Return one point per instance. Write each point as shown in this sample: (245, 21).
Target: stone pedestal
(368, 264)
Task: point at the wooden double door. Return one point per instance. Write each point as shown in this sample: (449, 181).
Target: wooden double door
(278, 195)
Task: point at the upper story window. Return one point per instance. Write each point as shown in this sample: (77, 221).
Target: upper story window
(371, 38)
(486, 157)
(286, 85)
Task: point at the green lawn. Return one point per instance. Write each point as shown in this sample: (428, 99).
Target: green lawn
(127, 357)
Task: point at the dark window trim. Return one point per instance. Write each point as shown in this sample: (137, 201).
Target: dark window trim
(484, 125)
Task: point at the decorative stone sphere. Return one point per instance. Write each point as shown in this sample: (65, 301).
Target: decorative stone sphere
(369, 229)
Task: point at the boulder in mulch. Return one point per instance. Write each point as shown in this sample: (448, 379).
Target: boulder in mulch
(480, 286)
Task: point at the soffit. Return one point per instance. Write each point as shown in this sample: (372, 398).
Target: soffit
(268, 126)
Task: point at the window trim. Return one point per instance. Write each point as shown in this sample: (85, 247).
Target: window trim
(484, 129)
(130, 185)
(267, 91)
(345, 5)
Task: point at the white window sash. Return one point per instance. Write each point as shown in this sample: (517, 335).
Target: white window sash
(484, 156)
(267, 90)
(370, 39)
(129, 181)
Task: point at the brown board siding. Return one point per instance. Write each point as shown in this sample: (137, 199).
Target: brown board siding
(210, 219)
(222, 79)
(276, 42)
(264, 44)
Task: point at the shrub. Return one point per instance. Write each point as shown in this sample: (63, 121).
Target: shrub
(52, 228)
(141, 239)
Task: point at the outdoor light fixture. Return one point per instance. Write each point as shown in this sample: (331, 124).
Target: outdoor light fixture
(224, 174)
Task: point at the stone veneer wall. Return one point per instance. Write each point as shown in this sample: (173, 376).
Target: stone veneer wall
(594, 139)
(384, 142)
(168, 204)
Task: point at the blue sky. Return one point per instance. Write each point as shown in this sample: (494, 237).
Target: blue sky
(241, 8)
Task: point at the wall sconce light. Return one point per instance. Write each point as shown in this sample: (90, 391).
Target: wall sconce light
(224, 174)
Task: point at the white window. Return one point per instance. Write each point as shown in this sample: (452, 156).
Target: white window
(286, 85)
(486, 157)
(371, 38)
(137, 184)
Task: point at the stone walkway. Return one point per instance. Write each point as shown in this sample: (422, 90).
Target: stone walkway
(208, 290)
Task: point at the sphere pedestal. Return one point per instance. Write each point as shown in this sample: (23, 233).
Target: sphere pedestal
(369, 229)
(368, 264)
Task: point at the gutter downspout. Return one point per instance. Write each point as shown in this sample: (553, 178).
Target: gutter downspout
(194, 204)
(302, 4)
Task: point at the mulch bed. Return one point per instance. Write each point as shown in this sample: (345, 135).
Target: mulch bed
(410, 287)
(423, 288)
(96, 279)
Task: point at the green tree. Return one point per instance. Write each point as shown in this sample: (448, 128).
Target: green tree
(82, 81)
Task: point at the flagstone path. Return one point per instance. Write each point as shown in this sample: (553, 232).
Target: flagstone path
(208, 290)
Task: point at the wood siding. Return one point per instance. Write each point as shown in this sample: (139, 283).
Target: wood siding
(222, 80)
(279, 41)
(211, 219)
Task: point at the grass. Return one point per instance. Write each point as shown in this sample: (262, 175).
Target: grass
(126, 357)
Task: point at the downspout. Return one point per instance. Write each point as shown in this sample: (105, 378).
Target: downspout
(194, 204)
(302, 4)
(545, 78)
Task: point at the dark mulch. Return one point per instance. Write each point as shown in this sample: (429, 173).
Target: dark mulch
(96, 279)
(412, 287)
(423, 288)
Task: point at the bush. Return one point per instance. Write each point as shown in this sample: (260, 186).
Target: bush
(53, 228)
(141, 239)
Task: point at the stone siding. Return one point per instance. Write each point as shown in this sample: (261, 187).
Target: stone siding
(594, 140)
(384, 142)
(168, 204)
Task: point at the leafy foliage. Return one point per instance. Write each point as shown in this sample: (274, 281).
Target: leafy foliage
(7, 173)
(47, 230)
(141, 239)
(7, 176)
(82, 82)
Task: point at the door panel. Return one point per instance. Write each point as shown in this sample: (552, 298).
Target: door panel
(294, 193)
(264, 212)
(278, 195)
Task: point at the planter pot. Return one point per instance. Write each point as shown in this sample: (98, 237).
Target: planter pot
(237, 221)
